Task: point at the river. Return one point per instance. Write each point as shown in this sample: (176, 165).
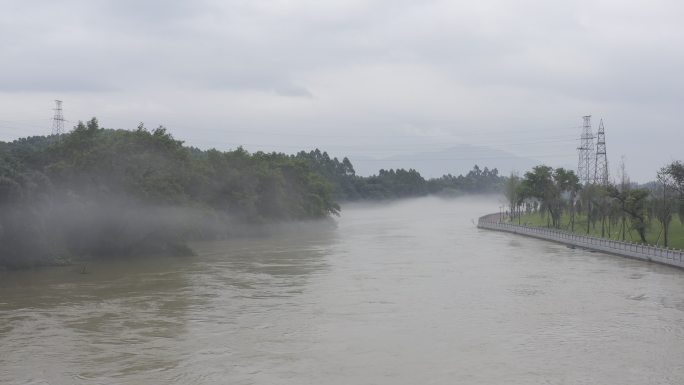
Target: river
(404, 293)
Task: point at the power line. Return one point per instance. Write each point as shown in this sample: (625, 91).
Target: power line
(354, 135)
(469, 158)
(20, 122)
(516, 131)
(417, 146)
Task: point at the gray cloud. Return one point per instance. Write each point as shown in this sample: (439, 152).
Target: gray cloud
(336, 70)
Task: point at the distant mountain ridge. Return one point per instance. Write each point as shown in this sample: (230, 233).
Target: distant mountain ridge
(454, 160)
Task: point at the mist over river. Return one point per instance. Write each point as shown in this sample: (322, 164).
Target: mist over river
(404, 293)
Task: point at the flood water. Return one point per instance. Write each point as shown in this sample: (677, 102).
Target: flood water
(403, 293)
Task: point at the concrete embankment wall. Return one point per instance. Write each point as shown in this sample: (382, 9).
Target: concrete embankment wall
(632, 250)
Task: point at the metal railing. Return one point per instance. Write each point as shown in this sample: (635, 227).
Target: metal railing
(667, 256)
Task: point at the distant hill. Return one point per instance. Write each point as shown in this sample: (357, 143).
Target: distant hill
(454, 160)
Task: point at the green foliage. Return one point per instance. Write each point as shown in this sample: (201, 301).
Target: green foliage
(340, 174)
(654, 234)
(608, 211)
(548, 187)
(633, 203)
(476, 181)
(399, 183)
(103, 192)
(672, 176)
(84, 193)
(662, 209)
(672, 179)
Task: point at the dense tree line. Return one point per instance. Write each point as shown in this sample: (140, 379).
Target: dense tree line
(97, 192)
(399, 183)
(102, 192)
(614, 208)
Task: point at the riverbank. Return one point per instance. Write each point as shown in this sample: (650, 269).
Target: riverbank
(654, 231)
(664, 256)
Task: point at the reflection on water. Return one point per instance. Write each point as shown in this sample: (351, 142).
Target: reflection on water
(405, 293)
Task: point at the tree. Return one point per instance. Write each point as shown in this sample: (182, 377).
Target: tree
(672, 178)
(589, 198)
(513, 192)
(86, 193)
(568, 182)
(633, 204)
(672, 175)
(671, 190)
(539, 184)
(603, 208)
(663, 207)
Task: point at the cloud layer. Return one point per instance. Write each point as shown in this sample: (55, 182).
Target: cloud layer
(281, 75)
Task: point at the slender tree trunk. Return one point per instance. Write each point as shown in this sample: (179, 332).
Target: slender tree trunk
(572, 212)
(642, 235)
(548, 218)
(588, 218)
(572, 221)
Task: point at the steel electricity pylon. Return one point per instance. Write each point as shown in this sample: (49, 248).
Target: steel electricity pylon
(601, 160)
(585, 163)
(58, 119)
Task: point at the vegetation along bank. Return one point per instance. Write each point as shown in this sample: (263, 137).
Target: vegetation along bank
(105, 193)
(619, 211)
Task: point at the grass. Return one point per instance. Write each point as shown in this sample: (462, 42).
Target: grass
(654, 234)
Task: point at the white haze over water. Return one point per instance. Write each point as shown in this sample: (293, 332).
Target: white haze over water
(367, 79)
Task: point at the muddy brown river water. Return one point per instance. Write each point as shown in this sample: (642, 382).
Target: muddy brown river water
(403, 293)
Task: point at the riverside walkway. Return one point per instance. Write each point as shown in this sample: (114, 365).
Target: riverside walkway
(665, 256)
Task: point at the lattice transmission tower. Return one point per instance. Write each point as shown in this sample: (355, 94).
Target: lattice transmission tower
(585, 164)
(58, 119)
(601, 160)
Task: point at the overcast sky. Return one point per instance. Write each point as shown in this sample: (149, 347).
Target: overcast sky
(358, 78)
